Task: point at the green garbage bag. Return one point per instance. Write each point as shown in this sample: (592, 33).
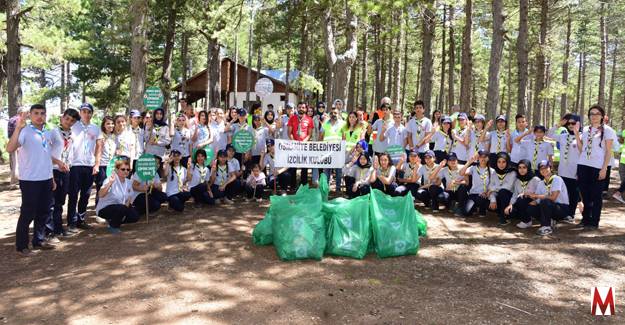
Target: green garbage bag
(349, 228)
(394, 224)
(324, 186)
(263, 234)
(298, 225)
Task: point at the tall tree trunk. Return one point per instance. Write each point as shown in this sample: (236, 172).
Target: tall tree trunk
(509, 85)
(582, 95)
(522, 60)
(427, 58)
(68, 83)
(383, 54)
(377, 58)
(213, 80)
(14, 63)
(496, 52)
(248, 82)
(341, 64)
(452, 61)
(235, 74)
(441, 93)
(168, 54)
(184, 53)
(397, 63)
(612, 77)
(302, 62)
(62, 97)
(3, 75)
(139, 53)
(565, 66)
(288, 70)
(259, 61)
(541, 62)
(602, 65)
(43, 83)
(389, 71)
(579, 83)
(466, 71)
(405, 67)
(419, 67)
(363, 79)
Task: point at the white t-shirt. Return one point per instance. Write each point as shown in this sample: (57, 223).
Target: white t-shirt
(268, 162)
(109, 147)
(125, 143)
(233, 165)
(181, 141)
(361, 175)
(175, 184)
(451, 175)
(616, 146)
(160, 134)
(135, 177)
(380, 146)
(475, 145)
(137, 144)
(409, 170)
(518, 151)
(220, 138)
(524, 188)
(442, 141)
(260, 179)
(537, 151)
(458, 148)
(120, 193)
(203, 133)
(480, 179)
(199, 174)
(84, 139)
(557, 184)
(592, 154)
(425, 172)
(34, 155)
(389, 173)
(569, 155)
(418, 129)
(498, 141)
(261, 134)
(221, 174)
(396, 135)
(60, 144)
(284, 131)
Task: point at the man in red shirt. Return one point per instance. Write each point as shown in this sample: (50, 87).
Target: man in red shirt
(300, 129)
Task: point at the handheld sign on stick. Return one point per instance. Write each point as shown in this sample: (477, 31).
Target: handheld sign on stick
(146, 170)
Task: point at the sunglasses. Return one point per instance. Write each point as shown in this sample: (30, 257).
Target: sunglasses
(595, 114)
(571, 123)
(125, 169)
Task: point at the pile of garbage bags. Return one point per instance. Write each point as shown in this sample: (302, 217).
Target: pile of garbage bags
(306, 225)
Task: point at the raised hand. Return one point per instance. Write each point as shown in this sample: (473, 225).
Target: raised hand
(443, 163)
(489, 124)
(21, 120)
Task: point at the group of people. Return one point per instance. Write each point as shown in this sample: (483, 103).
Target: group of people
(455, 161)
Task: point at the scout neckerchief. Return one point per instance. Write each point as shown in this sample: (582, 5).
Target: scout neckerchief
(478, 135)
(500, 136)
(548, 183)
(483, 177)
(452, 176)
(222, 171)
(524, 185)
(361, 173)
(109, 144)
(568, 144)
(419, 126)
(460, 134)
(203, 170)
(156, 132)
(448, 140)
(136, 131)
(411, 168)
(41, 133)
(123, 146)
(428, 171)
(179, 175)
(589, 144)
(535, 156)
(67, 140)
(183, 139)
(501, 178)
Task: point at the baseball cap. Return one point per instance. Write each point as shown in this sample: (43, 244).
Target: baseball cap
(289, 105)
(462, 116)
(501, 118)
(482, 152)
(430, 153)
(447, 120)
(270, 142)
(413, 153)
(135, 113)
(543, 164)
(175, 151)
(222, 153)
(480, 117)
(229, 146)
(452, 156)
(86, 106)
(540, 127)
(241, 112)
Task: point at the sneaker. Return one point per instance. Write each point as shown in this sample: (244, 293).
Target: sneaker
(72, 230)
(524, 225)
(579, 226)
(53, 240)
(67, 234)
(482, 215)
(554, 223)
(569, 220)
(44, 245)
(544, 231)
(259, 200)
(590, 228)
(25, 252)
(227, 200)
(114, 230)
(503, 223)
(84, 226)
(100, 220)
(617, 196)
(457, 212)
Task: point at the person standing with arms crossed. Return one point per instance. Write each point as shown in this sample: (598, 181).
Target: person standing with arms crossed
(300, 129)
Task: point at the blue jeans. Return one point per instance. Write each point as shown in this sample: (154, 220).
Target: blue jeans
(36, 201)
(339, 176)
(80, 181)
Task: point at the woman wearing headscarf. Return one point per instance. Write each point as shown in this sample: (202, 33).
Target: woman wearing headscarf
(501, 186)
(157, 134)
(524, 185)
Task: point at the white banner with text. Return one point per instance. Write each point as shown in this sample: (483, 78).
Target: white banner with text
(290, 153)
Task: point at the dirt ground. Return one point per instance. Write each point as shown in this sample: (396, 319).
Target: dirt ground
(201, 267)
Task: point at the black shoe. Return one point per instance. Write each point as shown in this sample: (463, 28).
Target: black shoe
(590, 228)
(84, 226)
(503, 223)
(25, 252)
(579, 226)
(44, 245)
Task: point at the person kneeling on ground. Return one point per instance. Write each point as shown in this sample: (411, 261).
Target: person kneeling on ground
(154, 190)
(427, 177)
(199, 175)
(552, 199)
(360, 177)
(409, 180)
(222, 180)
(255, 184)
(501, 187)
(115, 194)
(267, 163)
(454, 184)
(176, 175)
(384, 174)
(524, 185)
(479, 192)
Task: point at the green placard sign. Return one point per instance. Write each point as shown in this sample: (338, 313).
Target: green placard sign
(243, 141)
(210, 155)
(146, 167)
(111, 166)
(395, 151)
(153, 98)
